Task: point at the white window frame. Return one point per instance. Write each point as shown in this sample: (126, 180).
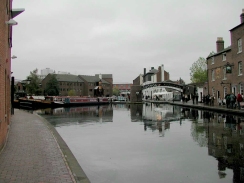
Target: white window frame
(241, 88)
(213, 75)
(240, 68)
(224, 73)
(213, 91)
(239, 45)
(224, 57)
(212, 60)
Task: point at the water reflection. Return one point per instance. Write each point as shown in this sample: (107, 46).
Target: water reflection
(86, 114)
(222, 134)
(219, 136)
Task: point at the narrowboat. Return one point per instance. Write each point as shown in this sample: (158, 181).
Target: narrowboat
(72, 101)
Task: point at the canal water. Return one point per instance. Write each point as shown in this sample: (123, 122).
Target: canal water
(152, 143)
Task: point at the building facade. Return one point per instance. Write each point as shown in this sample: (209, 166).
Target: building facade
(91, 83)
(225, 74)
(154, 75)
(6, 22)
(67, 82)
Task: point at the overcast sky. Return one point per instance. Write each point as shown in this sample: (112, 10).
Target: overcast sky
(119, 37)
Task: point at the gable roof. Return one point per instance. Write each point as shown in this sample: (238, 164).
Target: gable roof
(68, 78)
(153, 71)
(215, 54)
(93, 79)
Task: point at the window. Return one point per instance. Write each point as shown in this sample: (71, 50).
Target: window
(213, 78)
(239, 44)
(241, 88)
(212, 60)
(224, 56)
(224, 73)
(225, 91)
(239, 68)
(213, 91)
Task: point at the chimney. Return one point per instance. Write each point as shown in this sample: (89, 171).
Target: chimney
(242, 16)
(162, 72)
(220, 44)
(144, 71)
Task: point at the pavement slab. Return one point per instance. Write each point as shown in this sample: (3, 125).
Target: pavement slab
(32, 154)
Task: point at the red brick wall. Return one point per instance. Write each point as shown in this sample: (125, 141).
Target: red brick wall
(166, 75)
(233, 58)
(5, 70)
(237, 57)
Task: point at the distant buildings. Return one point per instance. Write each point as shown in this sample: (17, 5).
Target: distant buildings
(124, 88)
(81, 85)
(225, 73)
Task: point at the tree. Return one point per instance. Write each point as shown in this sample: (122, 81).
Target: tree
(33, 88)
(52, 86)
(71, 93)
(116, 91)
(199, 71)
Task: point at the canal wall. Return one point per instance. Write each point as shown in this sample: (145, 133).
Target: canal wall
(135, 93)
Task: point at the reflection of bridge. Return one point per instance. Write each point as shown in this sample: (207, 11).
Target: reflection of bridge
(161, 113)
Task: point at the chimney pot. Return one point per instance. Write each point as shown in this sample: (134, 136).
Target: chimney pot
(242, 16)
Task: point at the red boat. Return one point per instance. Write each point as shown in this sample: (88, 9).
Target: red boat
(68, 101)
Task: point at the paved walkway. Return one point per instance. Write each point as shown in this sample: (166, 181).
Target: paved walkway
(32, 154)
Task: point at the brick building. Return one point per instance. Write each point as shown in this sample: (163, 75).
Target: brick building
(224, 67)
(154, 75)
(90, 83)
(123, 87)
(6, 22)
(66, 82)
(81, 85)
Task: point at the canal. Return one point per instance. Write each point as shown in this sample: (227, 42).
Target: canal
(152, 143)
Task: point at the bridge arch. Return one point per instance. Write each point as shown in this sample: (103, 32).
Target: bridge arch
(177, 87)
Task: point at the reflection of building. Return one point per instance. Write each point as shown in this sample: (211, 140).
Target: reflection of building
(76, 115)
(158, 117)
(136, 112)
(226, 143)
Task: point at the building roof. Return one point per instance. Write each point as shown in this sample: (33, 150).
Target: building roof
(153, 71)
(105, 75)
(68, 78)
(93, 79)
(215, 54)
(237, 26)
